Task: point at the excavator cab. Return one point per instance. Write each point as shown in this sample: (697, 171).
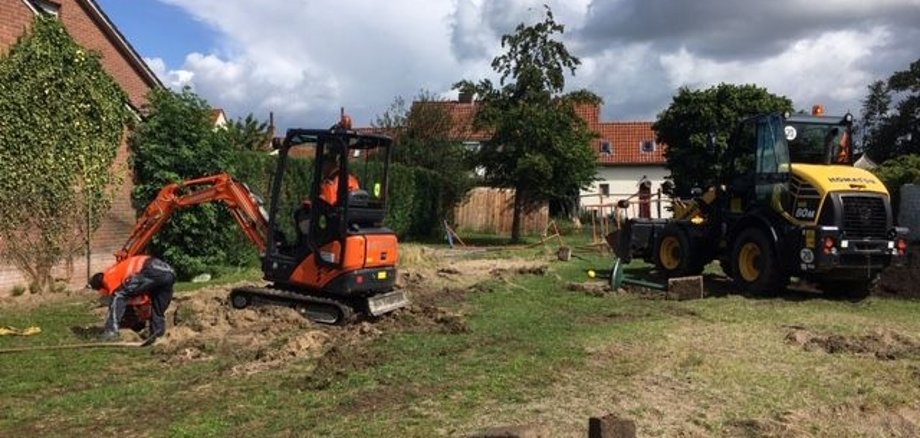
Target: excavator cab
(343, 258)
(347, 193)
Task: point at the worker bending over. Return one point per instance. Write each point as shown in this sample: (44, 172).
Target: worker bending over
(130, 278)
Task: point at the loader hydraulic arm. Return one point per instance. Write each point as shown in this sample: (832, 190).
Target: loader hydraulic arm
(244, 205)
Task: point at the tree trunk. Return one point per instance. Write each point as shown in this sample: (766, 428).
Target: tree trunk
(518, 216)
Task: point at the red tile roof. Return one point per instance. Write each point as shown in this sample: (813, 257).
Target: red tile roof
(626, 141)
(461, 115)
(625, 138)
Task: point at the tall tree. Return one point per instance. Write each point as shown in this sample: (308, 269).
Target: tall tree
(177, 141)
(539, 147)
(685, 126)
(61, 121)
(423, 140)
(893, 131)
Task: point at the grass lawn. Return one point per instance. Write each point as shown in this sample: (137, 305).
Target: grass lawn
(535, 352)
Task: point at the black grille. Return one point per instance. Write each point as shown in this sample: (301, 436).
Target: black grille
(864, 216)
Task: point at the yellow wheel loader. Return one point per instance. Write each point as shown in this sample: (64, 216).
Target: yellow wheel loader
(788, 203)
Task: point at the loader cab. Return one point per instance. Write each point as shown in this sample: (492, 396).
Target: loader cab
(328, 185)
(757, 164)
(819, 139)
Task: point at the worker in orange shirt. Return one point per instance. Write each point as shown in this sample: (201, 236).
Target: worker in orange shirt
(329, 188)
(130, 278)
(328, 192)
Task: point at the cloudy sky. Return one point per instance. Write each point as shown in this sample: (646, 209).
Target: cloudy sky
(303, 59)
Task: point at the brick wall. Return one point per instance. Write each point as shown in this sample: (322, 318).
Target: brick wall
(77, 17)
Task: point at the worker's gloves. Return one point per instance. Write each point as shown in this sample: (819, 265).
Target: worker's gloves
(105, 300)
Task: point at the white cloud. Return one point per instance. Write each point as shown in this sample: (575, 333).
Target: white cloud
(172, 78)
(303, 59)
(824, 69)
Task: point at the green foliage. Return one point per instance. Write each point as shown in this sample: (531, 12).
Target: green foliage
(897, 172)
(686, 124)
(540, 147)
(423, 144)
(890, 133)
(177, 141)
(61, 120)
(248, 134)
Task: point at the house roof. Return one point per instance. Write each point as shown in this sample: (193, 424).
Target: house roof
(631, 143)
(461, 115)
(626, 138)
(218, 116)
(115, 36)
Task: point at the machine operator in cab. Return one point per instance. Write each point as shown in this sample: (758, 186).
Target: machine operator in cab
(129, 279)
(328, 192)
(329, 189)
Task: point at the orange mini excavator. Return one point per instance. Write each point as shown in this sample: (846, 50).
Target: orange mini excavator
(342, 259)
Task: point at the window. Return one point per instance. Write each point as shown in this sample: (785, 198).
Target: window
(47, 6)
(605, 189)
(648, 146)
(606, 147)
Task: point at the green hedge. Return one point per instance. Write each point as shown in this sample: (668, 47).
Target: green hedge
(414, 193)
(209, 240)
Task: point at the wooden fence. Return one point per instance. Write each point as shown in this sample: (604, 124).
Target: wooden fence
(491, 210)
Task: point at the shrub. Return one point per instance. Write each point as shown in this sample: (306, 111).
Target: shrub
(895, 173)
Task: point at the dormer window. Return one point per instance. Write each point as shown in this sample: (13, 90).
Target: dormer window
(648, 146)
(606, 148)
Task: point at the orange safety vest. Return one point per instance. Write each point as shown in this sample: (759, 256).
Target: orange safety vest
(330, 189)
(116, 276)
(843, 155)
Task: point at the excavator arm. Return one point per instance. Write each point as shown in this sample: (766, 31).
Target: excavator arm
(245, 206)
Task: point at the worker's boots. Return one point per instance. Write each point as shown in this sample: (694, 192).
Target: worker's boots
(109, 336)
(157, 329)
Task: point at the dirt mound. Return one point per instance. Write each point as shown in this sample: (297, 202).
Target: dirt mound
(881, 344)
(204, 325)
(593, 288)
(427, 318)
(901, 282)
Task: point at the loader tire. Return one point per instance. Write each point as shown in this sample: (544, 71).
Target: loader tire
(755, 266)
(675, 255)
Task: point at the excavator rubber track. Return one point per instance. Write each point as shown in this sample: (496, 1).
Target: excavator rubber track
(318, 309)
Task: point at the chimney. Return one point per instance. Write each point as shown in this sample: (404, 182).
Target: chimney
(466, 97)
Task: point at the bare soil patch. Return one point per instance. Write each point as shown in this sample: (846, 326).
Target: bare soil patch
(881, 344)
(204, 326)
(901, 282)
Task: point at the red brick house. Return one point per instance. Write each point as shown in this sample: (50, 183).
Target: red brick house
(91, 28)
